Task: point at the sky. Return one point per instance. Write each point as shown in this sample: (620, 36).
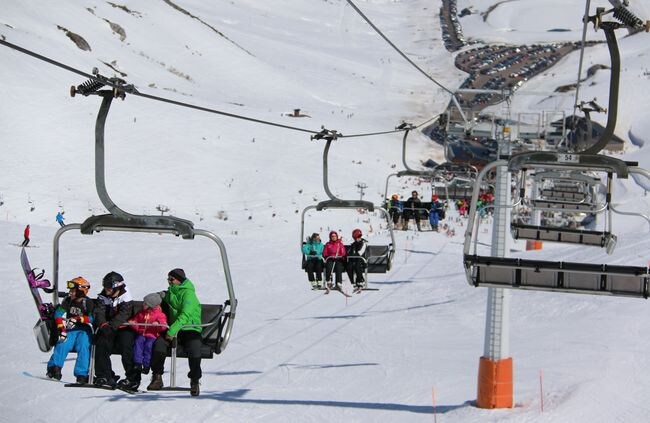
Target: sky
(406, 352)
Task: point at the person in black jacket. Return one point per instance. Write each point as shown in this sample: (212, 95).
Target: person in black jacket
(412, 209)
(357, 253)
(113, 308)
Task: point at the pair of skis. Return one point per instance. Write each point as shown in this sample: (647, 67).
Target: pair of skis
(339, 288)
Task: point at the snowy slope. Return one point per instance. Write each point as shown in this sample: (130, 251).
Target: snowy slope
(408, 352)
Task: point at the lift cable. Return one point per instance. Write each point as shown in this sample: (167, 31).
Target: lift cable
(131, 90)
(401, 53)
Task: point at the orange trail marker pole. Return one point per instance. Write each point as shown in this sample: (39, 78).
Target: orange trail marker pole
(433, 398)
(541, 392)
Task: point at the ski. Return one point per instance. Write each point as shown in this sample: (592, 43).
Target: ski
(105, 387)
(48, 379)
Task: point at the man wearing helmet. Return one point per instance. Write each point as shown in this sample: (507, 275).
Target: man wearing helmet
(114, 307)
(356, 259)
(73, 318)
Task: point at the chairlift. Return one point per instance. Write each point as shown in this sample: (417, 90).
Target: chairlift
(217, 319)
(380, 256)
(518, 273)
(439, 179)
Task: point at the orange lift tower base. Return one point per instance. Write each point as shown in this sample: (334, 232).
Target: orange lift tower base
(495, 383)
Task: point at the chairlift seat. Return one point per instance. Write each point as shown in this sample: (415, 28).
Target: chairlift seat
(380, 258)
(563, 195)
(565, 206)
(566, 235)
(212, 317)
(586, 278)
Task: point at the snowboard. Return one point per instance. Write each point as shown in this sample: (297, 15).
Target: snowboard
(44, 327)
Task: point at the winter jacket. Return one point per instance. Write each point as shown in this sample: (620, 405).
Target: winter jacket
(413, 203)
(149, 315)
(26, 232)
(313, 248)
(396, 204)
(80, 308)
(184, 308)
(358, 248)
(114, 311)
(334, 249)
(59, 217)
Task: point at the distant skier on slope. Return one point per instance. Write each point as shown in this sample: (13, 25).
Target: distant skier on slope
(26, 236)
(60, 218)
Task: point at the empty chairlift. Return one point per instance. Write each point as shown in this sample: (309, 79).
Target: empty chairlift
(520, 273)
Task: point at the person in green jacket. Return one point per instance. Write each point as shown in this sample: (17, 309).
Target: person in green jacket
(313, 263)
(184, 318)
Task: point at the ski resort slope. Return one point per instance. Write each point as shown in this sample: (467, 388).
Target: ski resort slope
(407, 352)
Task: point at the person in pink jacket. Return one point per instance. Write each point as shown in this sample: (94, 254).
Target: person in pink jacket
(151, 313)
(334, 255)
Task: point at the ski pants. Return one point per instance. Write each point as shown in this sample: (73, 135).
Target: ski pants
(314, 265)
(142, 348)
(335, 265)
(394, 214)
(122, 340)
(25, 242)
(79, 341)
(191, 342)
(355, 268)
(434, 218)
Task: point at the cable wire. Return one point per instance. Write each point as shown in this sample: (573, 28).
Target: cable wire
(401, 53)
(134, 92)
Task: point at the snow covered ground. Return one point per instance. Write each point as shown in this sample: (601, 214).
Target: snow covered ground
(408, 352)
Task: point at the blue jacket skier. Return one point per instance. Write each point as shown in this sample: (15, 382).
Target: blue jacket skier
(60, 218)
(435, 213)
(73, 319)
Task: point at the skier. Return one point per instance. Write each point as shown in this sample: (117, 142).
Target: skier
(435, 213)
(113, 308)
(73, 318)
(395, 210)
(334, 254)
(313, 251)
(151, 313)
(26, 235)
(184, 310)
(60, 218)
(412, 210)
(356, 266)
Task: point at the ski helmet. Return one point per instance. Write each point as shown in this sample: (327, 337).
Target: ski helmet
(80, 284)
(394, 197)
(356, 233)
(112, 280)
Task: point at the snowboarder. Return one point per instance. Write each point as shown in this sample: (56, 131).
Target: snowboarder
(26, 235)
(151, 313)
(313, 264)
(184, 310)
(334, 254)
(113, 308)
(356, 266)
(73, 318)
(60, 218)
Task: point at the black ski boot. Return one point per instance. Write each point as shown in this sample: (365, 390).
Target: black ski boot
(194, 388)
(54, 372)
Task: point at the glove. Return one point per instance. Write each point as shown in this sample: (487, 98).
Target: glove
(71, 323)
(63, 336)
